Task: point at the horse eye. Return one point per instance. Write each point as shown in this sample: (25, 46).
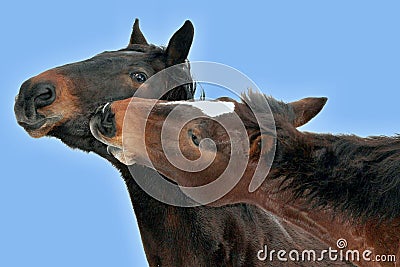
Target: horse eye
(195, 139)
(140, 77)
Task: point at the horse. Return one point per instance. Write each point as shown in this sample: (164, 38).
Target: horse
(59, 102)
(331, 186)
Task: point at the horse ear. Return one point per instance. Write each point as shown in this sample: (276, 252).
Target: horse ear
(306, 109)
(137, 37)
(180, 43)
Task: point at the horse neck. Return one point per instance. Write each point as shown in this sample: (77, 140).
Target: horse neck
(337, 161)
(240, 230)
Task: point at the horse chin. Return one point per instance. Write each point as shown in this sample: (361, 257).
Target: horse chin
(38, 133)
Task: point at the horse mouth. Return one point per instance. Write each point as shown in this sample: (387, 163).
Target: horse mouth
(32, 126)
(39, 127)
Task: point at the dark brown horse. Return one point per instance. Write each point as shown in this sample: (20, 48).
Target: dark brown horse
(330, 186)
(59, 103)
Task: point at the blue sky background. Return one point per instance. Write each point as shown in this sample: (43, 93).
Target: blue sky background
(63, 207)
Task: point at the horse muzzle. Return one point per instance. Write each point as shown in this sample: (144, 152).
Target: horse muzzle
(103, 122)
(31, 98)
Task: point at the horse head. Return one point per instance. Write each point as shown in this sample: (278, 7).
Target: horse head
(60, 101)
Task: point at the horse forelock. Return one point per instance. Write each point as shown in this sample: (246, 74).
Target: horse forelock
(145, 48)
(268, 109)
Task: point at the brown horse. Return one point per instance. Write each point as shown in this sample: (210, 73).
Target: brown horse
(59, 103)
(333, 187)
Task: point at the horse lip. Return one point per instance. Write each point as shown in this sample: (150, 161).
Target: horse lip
(27, 125)
(111, 149)
(37, 124)
(118, 153)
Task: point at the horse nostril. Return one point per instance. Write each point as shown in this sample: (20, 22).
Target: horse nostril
(44, 95)
(107, 121)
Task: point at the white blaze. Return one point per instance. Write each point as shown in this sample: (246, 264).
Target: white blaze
(209, 108)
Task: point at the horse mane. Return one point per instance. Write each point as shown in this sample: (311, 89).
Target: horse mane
(359, 177)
